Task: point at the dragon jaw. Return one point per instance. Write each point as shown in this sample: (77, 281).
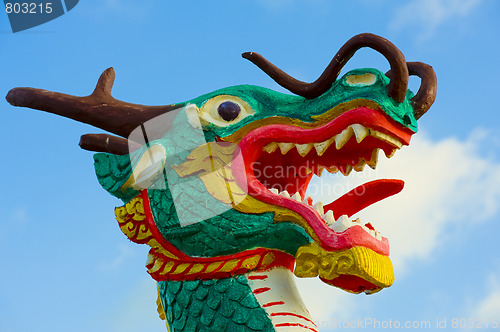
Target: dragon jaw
(279, 161)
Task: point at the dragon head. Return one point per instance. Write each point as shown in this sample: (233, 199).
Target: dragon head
(225, 185)
(216, 185)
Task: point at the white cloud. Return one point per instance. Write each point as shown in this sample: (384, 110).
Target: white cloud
(428, 15)
(488, 308)
(448, 185)
(325, 302)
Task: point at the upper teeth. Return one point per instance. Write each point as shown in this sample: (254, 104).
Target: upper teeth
(342, 138)
(346, 170)
(386, 138)
(321, 147)
(285, 147)
(340, 225)
(374, 159)
(358, 130)
(271, 147)
(304, 149)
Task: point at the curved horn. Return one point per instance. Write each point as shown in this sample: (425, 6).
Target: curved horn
(426, 94)
(397, 86)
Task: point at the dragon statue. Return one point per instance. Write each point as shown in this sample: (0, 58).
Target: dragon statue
(216, 185)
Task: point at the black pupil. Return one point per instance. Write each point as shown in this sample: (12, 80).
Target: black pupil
(228, 110)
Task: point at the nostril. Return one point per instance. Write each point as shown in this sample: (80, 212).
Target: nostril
(406, 119)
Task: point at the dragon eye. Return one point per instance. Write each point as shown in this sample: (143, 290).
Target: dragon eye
(224, 111)
(228, 110)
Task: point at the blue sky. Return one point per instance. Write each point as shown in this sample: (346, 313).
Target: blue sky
(64, 264)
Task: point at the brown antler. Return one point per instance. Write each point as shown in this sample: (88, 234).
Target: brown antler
(107, 143)
(426, 94)
(396, 89)
(99, 109)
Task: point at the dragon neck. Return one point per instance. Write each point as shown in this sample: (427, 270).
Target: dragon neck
(253, 290)
(255, 301)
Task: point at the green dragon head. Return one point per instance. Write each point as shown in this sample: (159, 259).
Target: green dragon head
(224, 187)
(216, 185)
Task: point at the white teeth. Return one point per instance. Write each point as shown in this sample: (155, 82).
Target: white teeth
(346, 170)
(374, 159)
(321, 147)
(342, 138)
(304, 149)
(285, 147)
(386, 138)
(319, 171)
(285, 194)
(373, 233)
(342, 224)
(360, 132)
(150, 259)
(297, 197)
(319, 207)
(328, 217)
(332, 169)
(390, 154)
(360, 166)
(271, 147)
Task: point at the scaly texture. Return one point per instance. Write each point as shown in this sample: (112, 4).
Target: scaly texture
(213, 305)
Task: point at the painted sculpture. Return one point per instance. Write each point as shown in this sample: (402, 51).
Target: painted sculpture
(216, 185)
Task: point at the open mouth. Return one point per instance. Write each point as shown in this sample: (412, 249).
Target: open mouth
(280, 161)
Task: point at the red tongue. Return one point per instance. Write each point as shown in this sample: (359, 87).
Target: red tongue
(363, 196)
